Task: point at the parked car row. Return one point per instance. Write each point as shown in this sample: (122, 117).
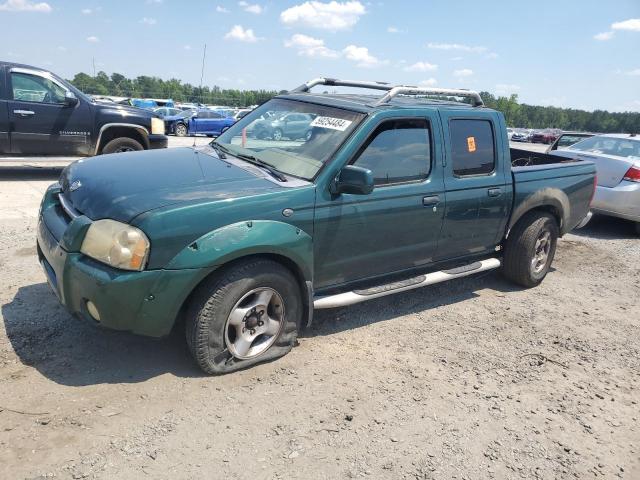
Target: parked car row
(547, 135)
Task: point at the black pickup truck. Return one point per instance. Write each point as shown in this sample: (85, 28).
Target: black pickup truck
(42, 114)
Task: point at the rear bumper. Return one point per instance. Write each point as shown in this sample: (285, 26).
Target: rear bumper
(158, 141)
(622, 201)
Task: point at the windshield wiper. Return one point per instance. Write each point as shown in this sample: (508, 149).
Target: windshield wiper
(261, 163)
(220, 150)
(249, 158)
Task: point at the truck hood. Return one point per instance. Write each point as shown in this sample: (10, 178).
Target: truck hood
(122, 186)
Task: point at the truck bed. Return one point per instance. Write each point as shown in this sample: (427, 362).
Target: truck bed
(526, 158)
(569, 182)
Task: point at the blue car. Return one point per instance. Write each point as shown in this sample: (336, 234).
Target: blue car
(209, 122)
(178, 124)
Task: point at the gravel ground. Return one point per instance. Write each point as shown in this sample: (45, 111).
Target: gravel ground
(466, 380)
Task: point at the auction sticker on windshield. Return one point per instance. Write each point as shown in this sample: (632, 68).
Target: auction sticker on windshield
(331, 123)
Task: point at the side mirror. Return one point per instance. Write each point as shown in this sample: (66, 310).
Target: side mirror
(354, 180)
(70, 99)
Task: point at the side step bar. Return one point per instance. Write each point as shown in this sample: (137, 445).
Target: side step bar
(357, 296)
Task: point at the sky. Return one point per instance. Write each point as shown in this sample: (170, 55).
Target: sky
(567, 53)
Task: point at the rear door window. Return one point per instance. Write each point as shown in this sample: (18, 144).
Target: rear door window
(472, 147)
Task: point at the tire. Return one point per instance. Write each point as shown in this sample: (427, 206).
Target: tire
(212, 339)
(122, 144)
(277, 134)
(528, 256)
(308, 135)
(638, 228)
(181, 130)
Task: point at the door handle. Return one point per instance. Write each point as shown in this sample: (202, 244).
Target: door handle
(24, 113)
(494, 192)
(430, 201)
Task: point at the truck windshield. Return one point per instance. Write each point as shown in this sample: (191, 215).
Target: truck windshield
(296, 138)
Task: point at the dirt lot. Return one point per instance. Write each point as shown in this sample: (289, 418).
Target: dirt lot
(473, 379)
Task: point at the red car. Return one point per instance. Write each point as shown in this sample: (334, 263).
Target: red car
(547, 136)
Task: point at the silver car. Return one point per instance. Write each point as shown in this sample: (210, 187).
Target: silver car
(617, 159)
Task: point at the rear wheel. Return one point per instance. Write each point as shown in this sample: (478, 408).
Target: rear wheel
(122, 144)
(181, 130)
(248, 314)
(530, 249)
(277, 134)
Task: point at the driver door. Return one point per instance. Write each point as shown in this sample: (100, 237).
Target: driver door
(396, 227)
(41, 122)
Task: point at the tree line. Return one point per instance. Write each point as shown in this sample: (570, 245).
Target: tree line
(517, 114)
(153, 87)
(533, 116)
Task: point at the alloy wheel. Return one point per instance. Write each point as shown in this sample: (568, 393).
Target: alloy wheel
(254, 323)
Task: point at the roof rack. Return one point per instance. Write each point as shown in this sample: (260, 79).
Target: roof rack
(392, 91)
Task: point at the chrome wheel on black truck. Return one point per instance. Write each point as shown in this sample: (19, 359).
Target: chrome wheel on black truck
(530, 249)
(246, 314)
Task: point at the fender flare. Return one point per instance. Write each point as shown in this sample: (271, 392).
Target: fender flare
(551, 199)
(251, 237)
(139, 128)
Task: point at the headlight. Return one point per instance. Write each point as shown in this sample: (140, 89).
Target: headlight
(116, 244)
(157, 126)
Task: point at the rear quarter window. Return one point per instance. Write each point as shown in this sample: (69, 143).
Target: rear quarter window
(472, 147)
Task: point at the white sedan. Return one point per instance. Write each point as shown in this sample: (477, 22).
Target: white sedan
(617, 159)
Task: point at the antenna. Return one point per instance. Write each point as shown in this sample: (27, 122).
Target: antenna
(204, 55)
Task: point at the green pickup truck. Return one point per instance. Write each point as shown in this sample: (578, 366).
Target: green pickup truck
(244, 238)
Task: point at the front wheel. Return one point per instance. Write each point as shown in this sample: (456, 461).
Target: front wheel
(122, 144)
(638, 228)
(245, 315)
(181, 130)
(530, 249)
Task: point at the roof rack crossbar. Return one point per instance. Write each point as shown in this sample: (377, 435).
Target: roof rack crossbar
(334, 82)
(392, 91)
(476, 100)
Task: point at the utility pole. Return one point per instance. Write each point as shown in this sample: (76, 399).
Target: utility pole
(204, 55)
(93, 59)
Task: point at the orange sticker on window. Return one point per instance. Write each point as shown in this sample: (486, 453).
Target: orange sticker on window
(471, 144)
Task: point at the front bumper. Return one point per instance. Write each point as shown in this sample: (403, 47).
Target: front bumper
(158, 141)
(145, 303)
(622, 201)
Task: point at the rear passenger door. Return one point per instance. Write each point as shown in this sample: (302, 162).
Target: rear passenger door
(477, 197)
